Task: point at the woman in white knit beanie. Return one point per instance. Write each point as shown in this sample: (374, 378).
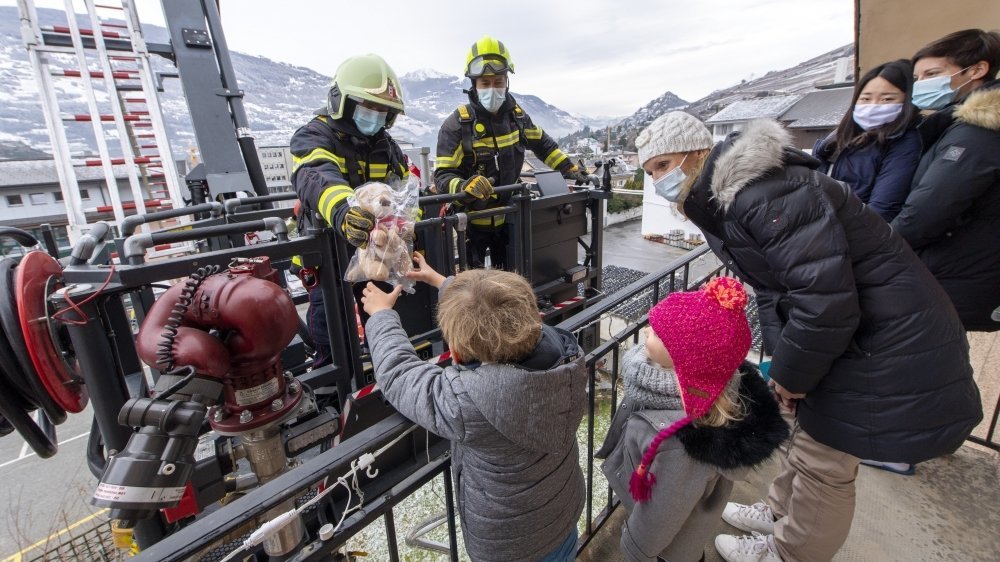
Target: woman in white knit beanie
(672, 150)
(865, 344)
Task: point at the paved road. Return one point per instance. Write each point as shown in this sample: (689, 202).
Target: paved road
(39, 497)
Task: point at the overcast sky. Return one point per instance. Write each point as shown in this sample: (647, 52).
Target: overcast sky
(585, 56)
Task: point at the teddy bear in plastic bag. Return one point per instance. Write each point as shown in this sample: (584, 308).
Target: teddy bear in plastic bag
(389, 253)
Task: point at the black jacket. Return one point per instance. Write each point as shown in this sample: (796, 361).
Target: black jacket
(851, 316)
(494, 148)
(879, 175)
(331, 158)
(952, 215)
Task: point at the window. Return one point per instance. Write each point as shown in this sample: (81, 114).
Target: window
(14, 201)
(84, 195)
(723, 129)
(38, 198)
(58, 195)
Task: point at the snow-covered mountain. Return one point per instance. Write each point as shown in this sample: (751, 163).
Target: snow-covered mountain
(279, 97)
(667, 102)
(823, 70)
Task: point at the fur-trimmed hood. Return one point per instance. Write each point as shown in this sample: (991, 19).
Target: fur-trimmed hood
(746, 443)
(982, 108)
(746, 156)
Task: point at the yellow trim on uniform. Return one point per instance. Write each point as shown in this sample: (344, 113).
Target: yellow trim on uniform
(453, 185)
(331, 197)
(495, 220)
(450, 161)
(319, 154)
(503, 141)
(555, 158)
(534, 133)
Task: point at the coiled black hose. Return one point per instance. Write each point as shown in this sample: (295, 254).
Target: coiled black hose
(165, 350)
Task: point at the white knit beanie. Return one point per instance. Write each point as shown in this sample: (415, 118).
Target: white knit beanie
(672, 132)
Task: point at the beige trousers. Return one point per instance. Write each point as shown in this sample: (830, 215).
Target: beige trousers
(812, 497)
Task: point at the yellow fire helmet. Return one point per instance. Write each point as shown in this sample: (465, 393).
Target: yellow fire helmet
(364, 78)
(488, 56)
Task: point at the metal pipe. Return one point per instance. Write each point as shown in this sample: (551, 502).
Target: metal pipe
(135, 245)
(266, 455)
(233, 204)
(130, 223)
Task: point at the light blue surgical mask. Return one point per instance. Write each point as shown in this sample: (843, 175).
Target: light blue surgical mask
(669, 184)
(935, 93)
(492, 98)
(369, 121)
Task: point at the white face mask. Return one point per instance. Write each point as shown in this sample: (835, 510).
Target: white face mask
(669, 184)
(492, 98)
(873, 115)
(369, 121)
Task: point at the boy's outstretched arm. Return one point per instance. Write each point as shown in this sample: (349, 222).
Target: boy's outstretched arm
(425, 273)
(420, 391)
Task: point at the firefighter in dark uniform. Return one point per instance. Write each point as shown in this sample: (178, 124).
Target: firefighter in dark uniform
(343, 147)
(482, 144)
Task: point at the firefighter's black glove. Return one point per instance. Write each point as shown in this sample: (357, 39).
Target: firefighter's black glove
(582, 178)
(478, 187)
(357, 225)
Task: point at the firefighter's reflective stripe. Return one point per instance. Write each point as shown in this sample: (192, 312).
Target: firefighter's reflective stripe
(503, 141)
(316, 155)
(555, 158)
(452, 161)
(331, 198)
(453, 185)
(533, 133)
(494, 221)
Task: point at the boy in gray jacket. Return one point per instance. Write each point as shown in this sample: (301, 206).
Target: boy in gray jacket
(510, 405)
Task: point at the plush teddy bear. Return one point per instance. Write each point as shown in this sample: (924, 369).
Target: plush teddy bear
(388, 252)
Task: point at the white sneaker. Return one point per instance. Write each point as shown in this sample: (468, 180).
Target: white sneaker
(750, 518)
(753, 548)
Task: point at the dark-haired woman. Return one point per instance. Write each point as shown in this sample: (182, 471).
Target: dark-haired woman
(876, 147)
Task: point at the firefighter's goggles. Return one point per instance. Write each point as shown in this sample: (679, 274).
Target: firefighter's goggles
(483, 65)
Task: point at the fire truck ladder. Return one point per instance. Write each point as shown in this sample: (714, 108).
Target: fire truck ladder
(109, 62)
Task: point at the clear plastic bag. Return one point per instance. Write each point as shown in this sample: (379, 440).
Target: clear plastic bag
(389, 253)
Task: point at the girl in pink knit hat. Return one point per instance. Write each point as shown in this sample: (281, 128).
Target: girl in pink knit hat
(696, 417)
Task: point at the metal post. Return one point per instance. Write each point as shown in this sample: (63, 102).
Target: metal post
(390, 535)
(244, 136)
(449, 499)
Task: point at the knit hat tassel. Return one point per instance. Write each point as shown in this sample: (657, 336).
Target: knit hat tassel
(641, 484)
(642, 481)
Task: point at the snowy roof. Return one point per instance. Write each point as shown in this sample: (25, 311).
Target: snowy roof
(760, 108)
(819, 109)
(40, 172)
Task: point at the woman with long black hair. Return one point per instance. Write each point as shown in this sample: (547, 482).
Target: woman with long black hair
(876, 148)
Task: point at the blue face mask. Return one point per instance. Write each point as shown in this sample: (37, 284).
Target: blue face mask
(935, 93)
(369, 121)
(491, 98)
(669, 184)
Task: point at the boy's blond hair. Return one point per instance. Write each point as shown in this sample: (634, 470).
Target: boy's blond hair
(489, 316)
